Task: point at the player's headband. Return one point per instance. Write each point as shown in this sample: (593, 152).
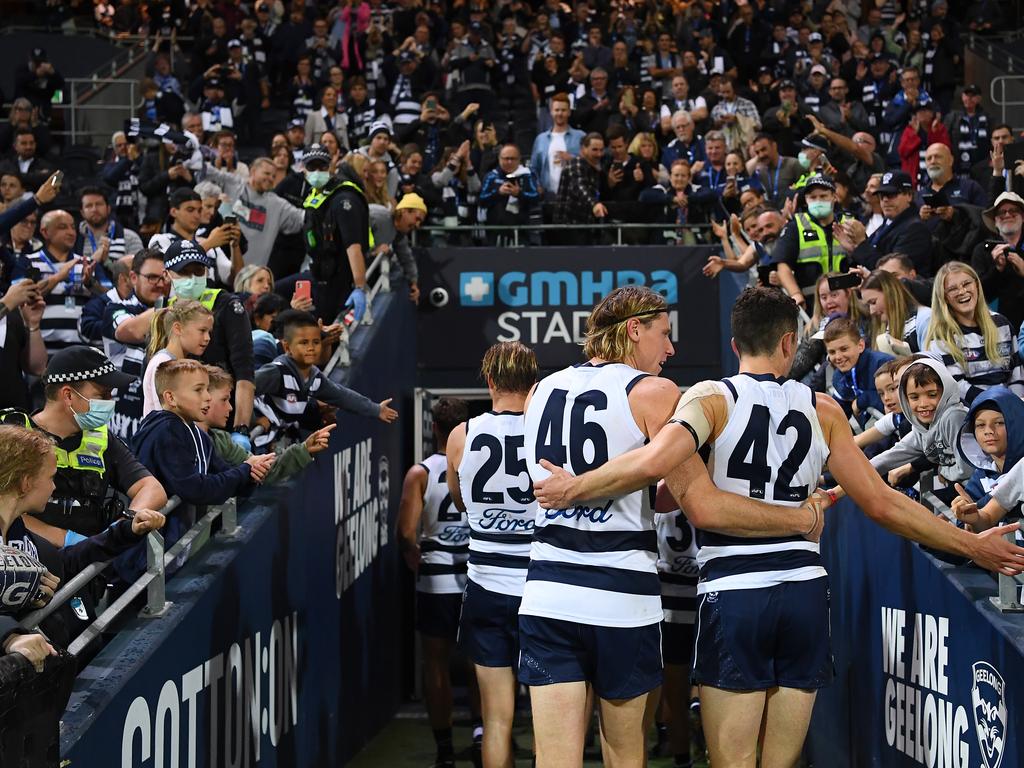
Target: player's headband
(645, 313)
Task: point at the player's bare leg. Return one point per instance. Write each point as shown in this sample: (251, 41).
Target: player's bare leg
(560, 723)
(732, 722)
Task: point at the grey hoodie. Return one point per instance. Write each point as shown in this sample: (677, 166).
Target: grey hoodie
(937, 442)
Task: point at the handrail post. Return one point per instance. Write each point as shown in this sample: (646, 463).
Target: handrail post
(156, 590)
(229, 519)
(1006, 601)
(384, 283)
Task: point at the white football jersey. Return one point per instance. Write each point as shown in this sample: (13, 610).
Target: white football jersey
(595, 563)
(444, 540)
(677, 566)
(772, 449)
(498, 494)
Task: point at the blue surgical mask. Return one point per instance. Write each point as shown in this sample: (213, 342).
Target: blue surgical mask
(318, 179)
(189, 287)
(97, 416)
(819, 209)
(805, 161)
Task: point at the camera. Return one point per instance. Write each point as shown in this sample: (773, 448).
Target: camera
(439, 297)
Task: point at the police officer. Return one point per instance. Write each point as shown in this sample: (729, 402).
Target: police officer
(231, 339)
(90, 460)
(806, 248)
(337, 233)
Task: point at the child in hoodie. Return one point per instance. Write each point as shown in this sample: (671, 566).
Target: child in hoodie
(991, 440)
(893, 426)
(855, 368)
(289, 462)
(930, 399)
(289, 387)
(180, 454)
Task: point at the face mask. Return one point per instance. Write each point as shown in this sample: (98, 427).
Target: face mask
(98, 415)
(805, 161)
(934, 173)
(318, 179)
(819, 209)
(189, 287)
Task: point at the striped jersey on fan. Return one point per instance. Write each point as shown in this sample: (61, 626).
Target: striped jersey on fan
(595, 563)
(982, 373)
(444, 541)
(65, 302)
(677, 566)
(498, 495)
(772, 449)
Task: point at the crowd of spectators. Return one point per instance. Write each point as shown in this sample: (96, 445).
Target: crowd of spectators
(807, 139)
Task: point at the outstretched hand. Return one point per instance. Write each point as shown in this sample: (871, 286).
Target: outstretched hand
(994, 553)
(556, 490)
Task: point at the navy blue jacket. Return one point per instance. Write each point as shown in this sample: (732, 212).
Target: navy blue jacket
(986, 474)
(858, 384)
(181, 457)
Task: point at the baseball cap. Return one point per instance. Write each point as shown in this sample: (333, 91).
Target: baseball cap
(822, 182)
(818, 69)
(787, 85)
(815, 141)
(39, 54)
(877, 56)
(972, 89)
(316, 154)
(406, 56)
(895, 181)
(212, 82)
(297, 122)
(413, 201)
(182, 252)
(815, 37)
(475, 26)
(81, 363)
(234, 43)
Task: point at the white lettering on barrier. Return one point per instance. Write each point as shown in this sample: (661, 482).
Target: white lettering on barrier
(919, 721)
(260, 699)
(538, 327)
(360, 512)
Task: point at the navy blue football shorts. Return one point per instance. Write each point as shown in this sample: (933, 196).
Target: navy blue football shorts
(489, 628)
(620, 662)
(758, 639)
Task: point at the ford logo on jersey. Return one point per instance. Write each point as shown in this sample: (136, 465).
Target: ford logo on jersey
(593, 514)
(561, 288)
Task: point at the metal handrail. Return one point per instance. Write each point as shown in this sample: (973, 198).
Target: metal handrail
(515, 229)
(381, 264)
(1006, 600)
(1001, 101)
(153, 580)
(71, 589)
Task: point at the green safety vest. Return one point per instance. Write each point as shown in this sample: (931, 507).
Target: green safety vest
(207, 299)
(813, 246)
(87, 457)
(317, 197)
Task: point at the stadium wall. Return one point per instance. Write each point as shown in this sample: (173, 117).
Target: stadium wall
(928, 671)
(282, 646)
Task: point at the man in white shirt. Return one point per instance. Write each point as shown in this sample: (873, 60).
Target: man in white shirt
(554, 148)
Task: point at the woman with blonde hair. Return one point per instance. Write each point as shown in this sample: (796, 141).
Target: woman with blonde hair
(644, 150)
(254, 280)
(377, 185)
(977, 345)
(896, 316)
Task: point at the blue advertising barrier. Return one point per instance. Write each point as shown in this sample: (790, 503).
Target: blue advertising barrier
(928, 672)
(282, 644)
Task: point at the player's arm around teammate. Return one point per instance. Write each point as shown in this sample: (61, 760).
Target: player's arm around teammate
(672, 454)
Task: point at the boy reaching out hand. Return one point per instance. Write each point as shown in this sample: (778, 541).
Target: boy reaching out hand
(289, 387)
(289, 462)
